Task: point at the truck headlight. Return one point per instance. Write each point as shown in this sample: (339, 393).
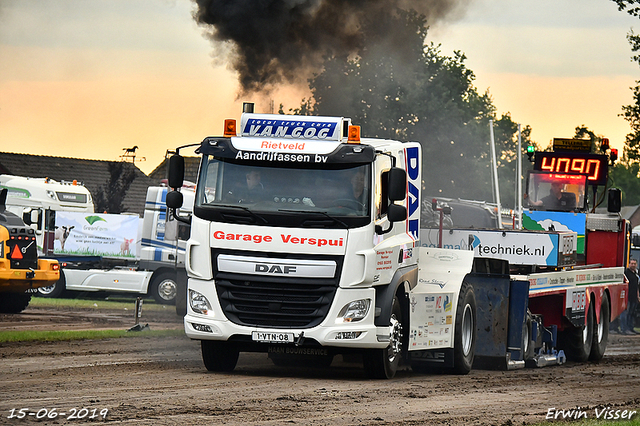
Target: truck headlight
(199, 302)
(354, 311)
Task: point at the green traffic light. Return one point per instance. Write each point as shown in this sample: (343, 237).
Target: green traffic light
(531, 149)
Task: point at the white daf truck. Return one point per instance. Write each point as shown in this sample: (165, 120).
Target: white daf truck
(306, 242)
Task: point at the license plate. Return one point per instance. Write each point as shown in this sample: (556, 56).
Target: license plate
(258, 336)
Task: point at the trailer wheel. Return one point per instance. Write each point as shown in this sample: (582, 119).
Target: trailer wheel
(527, 343)
(577, 342)
(383, 363)
(219, 356)
(601, 332)
(14, 303)
(465, 332)
(57, 289)
(164, 288)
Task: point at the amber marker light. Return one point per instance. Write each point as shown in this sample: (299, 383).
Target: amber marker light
(354, 134)
(229, 128)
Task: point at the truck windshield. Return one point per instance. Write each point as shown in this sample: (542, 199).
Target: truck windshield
(556, 192)
(327, 195)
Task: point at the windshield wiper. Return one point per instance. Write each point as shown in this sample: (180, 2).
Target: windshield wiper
(319, 212)
(246, 209)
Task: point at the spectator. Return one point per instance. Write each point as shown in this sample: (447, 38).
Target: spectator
(627, 318)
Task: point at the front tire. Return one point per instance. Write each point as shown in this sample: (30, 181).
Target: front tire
(219, 356)
(465, 332)
(164, 288)
(601, 332)
(383, 363)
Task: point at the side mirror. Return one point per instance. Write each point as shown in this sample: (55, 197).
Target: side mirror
(26, 217)
(396, 213)
(31, 217)
(174, 199)
(176, 171)
(614, 200)
(397, 184)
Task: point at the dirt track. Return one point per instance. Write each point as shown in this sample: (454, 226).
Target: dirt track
(161, 381)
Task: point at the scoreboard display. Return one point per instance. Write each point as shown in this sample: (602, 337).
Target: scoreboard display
(595, 166)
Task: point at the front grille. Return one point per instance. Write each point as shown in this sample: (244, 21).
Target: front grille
(278, 302)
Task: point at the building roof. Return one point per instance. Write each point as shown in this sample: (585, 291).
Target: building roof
(91, 173)
(191, 166)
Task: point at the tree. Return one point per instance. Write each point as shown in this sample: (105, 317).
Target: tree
(632, 7)
(110, 196)
(413, 93)
(625, 173)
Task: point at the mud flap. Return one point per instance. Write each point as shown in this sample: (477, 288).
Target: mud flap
(492, 301)
(433, 358)
(501, 317)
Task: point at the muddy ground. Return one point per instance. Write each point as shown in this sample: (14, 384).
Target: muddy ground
(162, 381)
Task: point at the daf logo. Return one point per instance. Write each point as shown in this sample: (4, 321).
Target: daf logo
(275, 269)
(429, 355)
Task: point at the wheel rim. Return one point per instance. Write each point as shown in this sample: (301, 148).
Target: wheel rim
(467, 330)
(395, 343)
(47, 290)
(600, 328)
(167, 290)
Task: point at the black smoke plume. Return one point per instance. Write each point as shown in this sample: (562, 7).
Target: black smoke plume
(283, 41)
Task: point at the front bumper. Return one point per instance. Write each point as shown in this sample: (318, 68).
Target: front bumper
(331, 332)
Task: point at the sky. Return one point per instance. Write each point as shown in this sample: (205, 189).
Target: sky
(88, 79)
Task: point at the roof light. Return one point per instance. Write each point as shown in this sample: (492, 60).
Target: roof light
(229, 128)
(354, 134)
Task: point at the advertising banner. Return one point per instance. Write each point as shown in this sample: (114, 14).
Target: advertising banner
(518, 247)
(557, 221)
(92, 234)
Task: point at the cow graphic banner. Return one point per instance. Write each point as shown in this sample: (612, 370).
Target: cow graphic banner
(92, 234)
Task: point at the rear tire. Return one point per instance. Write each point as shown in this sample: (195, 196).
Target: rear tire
(219, 356)
(164, 288)
(577, 342)
(601, 331)
(57, 289)
(14, 303)
(527, 343)
(383, 363)
(465, 332)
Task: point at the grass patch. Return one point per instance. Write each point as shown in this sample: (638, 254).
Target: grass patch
(117, 304)
(56, 336)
